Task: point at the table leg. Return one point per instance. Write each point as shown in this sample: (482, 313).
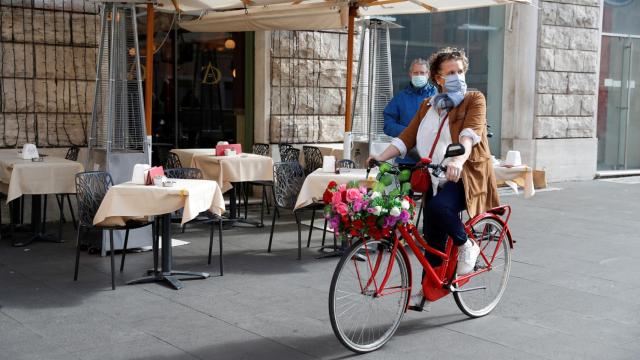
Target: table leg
(36, 225)
(168, 275)
(233, 208)
(338, 251)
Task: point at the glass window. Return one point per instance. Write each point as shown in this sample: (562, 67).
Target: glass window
(621, 16)
(480, 32)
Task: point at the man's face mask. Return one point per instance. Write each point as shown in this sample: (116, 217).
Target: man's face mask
(419, 81)
(455, 83)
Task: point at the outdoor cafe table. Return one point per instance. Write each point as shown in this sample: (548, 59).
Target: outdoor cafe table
(316, 183)
(132, 201)
(517, 175)
(228, 170)
(20, 177)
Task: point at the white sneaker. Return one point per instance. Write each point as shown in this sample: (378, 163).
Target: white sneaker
(467, 256)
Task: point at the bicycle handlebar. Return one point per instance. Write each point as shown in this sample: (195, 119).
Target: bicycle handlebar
(423, 163)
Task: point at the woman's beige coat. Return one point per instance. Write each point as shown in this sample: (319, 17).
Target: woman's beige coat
(478, 178)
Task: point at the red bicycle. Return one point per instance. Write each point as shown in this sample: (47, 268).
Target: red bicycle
(371, 285)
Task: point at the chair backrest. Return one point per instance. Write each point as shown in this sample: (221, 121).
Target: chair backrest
(282, 148)
(173, 161)
(312, 159)
(91, 188)
(291, 155)
(72, 153)
(183, 173)
(288, 179)
(261, 149)
(345, 163)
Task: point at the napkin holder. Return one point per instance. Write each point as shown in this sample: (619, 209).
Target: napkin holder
(29, 151)
(152, 173)
(140, 173)
(329, 164)
(513, 159)
(221, 148)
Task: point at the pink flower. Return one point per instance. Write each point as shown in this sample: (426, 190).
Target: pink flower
(342, 187)
(342, 208)
(336, 199)
(358, 204)
(363, 190)
(404, 216)
(353, 195)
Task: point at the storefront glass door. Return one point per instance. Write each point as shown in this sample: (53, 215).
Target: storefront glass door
(618, 105)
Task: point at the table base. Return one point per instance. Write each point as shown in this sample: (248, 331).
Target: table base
(34, 238)
(172, 278)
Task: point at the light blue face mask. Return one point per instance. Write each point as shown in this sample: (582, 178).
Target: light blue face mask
(419, 81)
(455, 83)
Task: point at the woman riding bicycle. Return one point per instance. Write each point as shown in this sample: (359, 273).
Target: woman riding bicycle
(469, 182)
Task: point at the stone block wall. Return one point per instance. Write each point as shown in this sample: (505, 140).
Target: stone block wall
(47, 71)
(308, 72)
(566, 77)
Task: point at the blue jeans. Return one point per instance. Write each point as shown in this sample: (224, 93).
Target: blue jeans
(441, 218)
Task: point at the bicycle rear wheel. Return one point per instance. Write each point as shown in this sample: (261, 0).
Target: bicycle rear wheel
(362, 321)
(492, 283)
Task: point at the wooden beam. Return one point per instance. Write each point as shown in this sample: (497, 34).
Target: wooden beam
(384, 2)
(428, 7)
(148, 82)
(175, 5)
(353, 10)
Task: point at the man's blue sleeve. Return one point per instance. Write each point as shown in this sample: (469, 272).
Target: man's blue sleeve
(392, 127)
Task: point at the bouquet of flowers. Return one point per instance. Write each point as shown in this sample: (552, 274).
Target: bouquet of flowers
(356, 211)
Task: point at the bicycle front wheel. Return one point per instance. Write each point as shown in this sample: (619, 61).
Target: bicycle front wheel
(362, 320)
(485, 290)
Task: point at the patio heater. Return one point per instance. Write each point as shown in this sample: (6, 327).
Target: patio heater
(117, 138)
(373, 88)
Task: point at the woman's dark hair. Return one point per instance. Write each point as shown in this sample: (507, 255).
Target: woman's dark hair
(437, 58)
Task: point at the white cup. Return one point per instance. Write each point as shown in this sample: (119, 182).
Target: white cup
(328, 163)
(513, 158)
(222, 143)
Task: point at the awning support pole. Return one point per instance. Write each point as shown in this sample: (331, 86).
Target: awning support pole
(148, 84)
(350, 35)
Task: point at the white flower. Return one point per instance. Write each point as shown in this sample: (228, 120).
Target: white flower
(378, 210)
(394, 211)
(375, 194)
(405, 204)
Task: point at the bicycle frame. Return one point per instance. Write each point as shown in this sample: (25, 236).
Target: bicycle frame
(435, 284)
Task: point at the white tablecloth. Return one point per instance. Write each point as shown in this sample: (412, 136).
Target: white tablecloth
(513, 176)
(52, 176)
(316, 183)
(130, 201)
(238, 168)
(186, 155)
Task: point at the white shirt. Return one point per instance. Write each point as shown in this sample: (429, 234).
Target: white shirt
(427, 133)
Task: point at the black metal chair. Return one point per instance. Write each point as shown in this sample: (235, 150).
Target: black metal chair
(288, 179)
(282, 147)
(258, 149)
(312, 159)
(345, 164)
(291, 155)
(205, 217)
(173, 161)
(91, 188)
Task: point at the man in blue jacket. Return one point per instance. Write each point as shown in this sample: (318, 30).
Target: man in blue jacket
(404, 105)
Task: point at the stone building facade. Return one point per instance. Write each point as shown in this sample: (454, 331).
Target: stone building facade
(48, 51)
(307, 86)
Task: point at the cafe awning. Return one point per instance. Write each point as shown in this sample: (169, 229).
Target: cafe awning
(252, 15)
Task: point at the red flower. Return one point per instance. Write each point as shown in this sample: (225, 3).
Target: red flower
(332, 184)
(344, 196)
(358, 224)
(371, 220)
(326, 197)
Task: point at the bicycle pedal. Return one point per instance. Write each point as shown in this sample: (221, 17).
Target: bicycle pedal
(424, 306)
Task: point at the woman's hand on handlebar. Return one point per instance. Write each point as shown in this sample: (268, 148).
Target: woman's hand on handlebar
(454, 170)
(373, 160)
